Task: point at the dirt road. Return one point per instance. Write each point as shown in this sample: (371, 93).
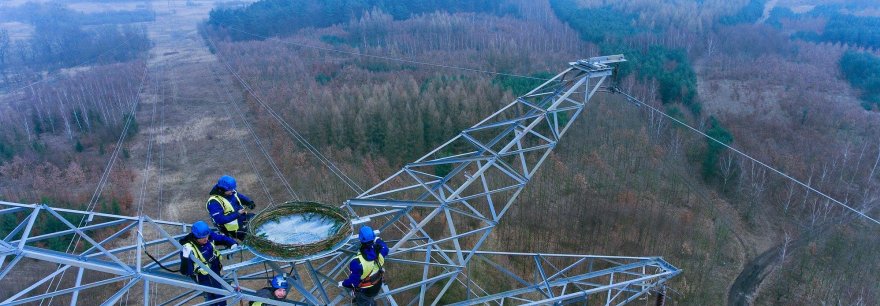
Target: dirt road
(748, 282)
(187, 137)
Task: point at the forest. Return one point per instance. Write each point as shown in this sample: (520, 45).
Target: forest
(608, 27)
(862, 70)
(58, 133)
(689, 72)
(36, 12)
(796, 90)
(839, 27)
(283, 17)
(64, 38)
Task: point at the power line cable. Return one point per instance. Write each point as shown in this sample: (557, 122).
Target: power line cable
(379, 57)
(96, 195)
(391, 59)
(293, 132)
(273, 165)
(250, 159)
(149, 157)
(164, 95)
(145, 173)
(614, 90)
(783, 174)
(296, 135)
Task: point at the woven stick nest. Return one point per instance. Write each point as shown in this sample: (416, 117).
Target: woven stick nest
(293, 251)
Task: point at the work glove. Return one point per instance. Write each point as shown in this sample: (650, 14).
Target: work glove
(250, 205)
(233, 247)
(339, 284)
(186, 252)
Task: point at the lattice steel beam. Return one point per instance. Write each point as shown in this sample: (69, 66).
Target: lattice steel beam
(462, 189)
(435, 213)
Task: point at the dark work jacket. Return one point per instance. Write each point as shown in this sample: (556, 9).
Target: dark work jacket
(269, 293)
(186, 264)
(369, 251)
(215, 210)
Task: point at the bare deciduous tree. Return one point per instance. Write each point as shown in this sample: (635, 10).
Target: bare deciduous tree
(785, 243)
(728, 168)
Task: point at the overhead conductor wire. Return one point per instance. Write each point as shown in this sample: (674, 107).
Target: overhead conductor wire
(535, 78)
(145, 180)
(361, 191)
(308, 145)
(159, 177)
(389, 58)
(629, 97)
(272, 164)
(783, 174)
(333, 168)
(104, 176)
(324, 160)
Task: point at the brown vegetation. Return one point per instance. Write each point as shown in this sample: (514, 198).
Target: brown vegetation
(625, 181)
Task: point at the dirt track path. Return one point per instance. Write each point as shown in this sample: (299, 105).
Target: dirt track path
(188, 141)
(185, 140)
(749, 280)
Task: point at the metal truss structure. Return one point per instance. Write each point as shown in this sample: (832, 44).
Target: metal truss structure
(435, 213)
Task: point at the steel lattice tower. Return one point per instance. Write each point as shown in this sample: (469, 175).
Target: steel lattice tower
(435, 213)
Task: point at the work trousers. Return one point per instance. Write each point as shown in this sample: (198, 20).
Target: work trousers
(207, 280)
(362, 299)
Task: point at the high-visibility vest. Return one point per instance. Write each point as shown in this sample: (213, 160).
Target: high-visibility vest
(372, 273)
(227, 210)
(195, 250)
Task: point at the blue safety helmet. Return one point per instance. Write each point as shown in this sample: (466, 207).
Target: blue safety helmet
(279, 282)
(366, 234)
(226, 182)
(200, 229)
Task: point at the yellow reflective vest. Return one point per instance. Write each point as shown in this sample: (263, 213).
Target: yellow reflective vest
(227, 210)
(195, 251)
(372, 272)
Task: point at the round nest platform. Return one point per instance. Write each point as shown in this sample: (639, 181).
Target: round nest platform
(298, 230)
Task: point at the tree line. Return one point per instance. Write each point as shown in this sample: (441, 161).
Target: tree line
(63, 38)
(749, 13)
(34, 12)
(626, 181)
(609, 28)
(283, 17)
(841, 25)
(55, 145)
(862, 70)
(376, 115)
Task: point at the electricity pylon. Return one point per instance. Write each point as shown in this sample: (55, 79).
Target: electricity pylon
(436, 213)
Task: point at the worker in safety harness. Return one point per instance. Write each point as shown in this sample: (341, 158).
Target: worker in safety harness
(276, 291)
(201, 245)
(227, 208)
(367, 268)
